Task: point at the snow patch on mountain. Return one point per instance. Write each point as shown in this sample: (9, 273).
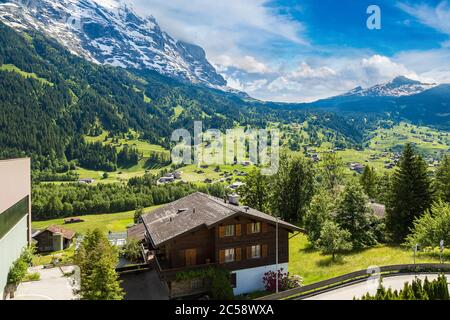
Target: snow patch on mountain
(400, 86)
(110, 32)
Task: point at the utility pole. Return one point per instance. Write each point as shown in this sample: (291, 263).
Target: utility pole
(441, 246)
(415, 248)
(276, 255)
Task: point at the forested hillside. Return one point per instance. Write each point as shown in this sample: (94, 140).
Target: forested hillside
(50, 98)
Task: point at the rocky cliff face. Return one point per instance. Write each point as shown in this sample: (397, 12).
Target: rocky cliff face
(110, 32)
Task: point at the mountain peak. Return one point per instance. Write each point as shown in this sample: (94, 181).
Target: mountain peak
(399, 86)
(111, 32)
(402, 80)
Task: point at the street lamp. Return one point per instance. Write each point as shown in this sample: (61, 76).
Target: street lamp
(276, 254)
(415, 248)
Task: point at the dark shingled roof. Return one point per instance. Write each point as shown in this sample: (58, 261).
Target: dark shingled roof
(136, 232)
(193, 211)
(68, 234)
(378, 209)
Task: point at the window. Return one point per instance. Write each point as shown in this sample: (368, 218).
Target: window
(256, 251)
(229, 255)
(256, 227)
(229, 230)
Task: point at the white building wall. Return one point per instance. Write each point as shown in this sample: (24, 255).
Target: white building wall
(11, 246)
(15, 184)
(250, 280)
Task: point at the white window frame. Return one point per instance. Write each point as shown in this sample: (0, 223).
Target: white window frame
(256, 251)
(254, 224)
(230, 255)
(230, 230)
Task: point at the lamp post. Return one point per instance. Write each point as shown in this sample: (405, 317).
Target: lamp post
(416, 248)
(276, 255)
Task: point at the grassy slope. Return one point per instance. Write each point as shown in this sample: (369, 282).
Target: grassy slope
(114, 222)
(431, 142)
(123, 174)
(313, 266)
(13, 68)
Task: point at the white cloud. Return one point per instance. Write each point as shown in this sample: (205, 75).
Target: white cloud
(379, 68)
(305, 71)
(247, 63)
(327, 77)
(223, 27)
(237, 36)
(430, 65)
(437, 17)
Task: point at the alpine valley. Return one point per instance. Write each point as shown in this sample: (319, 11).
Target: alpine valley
(82, 79)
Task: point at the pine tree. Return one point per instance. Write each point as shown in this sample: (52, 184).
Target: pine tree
(411, 194)
(369, 181)
(353, 215)
(320, 211)
(332, 170)
(442, 182)
(97, 260)
(293, 187)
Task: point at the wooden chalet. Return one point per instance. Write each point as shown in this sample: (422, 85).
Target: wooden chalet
(200, 231)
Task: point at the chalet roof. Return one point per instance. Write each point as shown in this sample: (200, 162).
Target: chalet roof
(68, 234)
(136, 232)
(378, 209)
(193, 211)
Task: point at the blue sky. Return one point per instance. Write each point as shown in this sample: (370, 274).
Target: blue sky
(303, 50)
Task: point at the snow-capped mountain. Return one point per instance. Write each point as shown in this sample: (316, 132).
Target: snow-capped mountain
(110, 32)
(400, 86)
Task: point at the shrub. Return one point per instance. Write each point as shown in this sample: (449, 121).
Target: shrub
(132, 250)
(220, 281)
(34, 276)
(333, 239)
(17, 272)
(417, 290)
(285, 281)
(221, 285)
(432, 227)
(27, 254)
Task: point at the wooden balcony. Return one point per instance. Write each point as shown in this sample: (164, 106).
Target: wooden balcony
(169, 274)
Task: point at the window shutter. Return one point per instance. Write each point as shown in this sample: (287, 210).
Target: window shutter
(221, 256)
(221, 232)
(238, 254)
(264, 227)
(182, 257)
(264, 250)
(238, 230)
(249, 252)
(249, 228)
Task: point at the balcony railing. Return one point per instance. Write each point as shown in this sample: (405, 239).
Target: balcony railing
(169, 274)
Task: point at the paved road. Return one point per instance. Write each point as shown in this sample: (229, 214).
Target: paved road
(53, 285)
(359, 289)
(144, 285)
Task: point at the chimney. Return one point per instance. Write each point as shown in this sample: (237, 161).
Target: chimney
(234, 199)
